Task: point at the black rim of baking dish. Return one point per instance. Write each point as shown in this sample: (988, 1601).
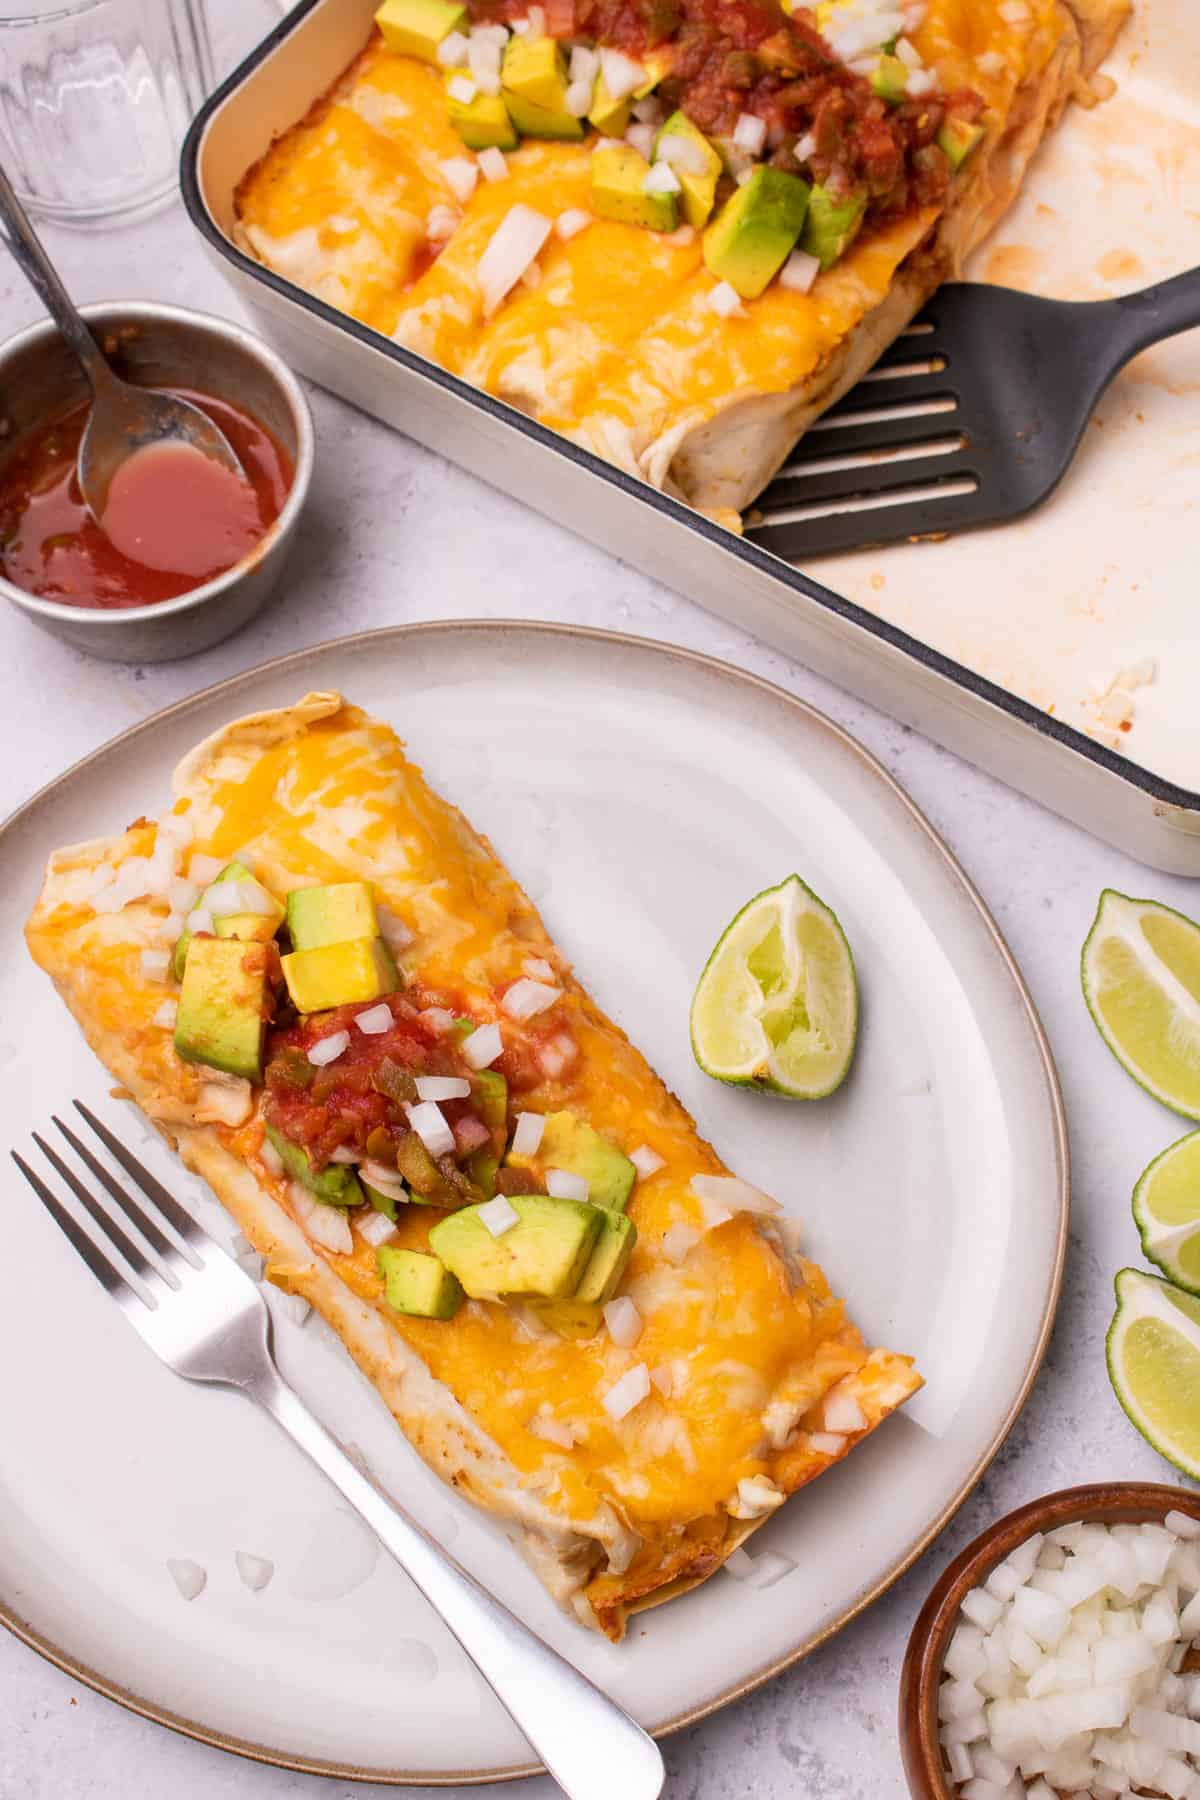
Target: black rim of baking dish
(1167, 793)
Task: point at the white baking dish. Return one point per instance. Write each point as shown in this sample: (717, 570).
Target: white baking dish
(1039, 751)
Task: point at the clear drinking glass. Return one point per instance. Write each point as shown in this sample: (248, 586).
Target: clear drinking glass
(95, 98)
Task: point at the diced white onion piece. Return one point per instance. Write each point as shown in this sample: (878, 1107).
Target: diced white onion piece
(990, 62)
(799, 272)
(460, 174)
(226, 899)
(959, 1758)
(375, 1020)
(385, 1178)
(584, 64)
(578, 98)
(325, 1225)
(733, 1194)
(452, 51)
(392, 929)
(564, 1185)
(570, 223)
(757, 1495)
(443, 1087)
(908, 53)
(377, 1228)
(441, 224)
(1182, 1524)
(827, 1443)
(628, 1392)
(920, 82)
(328, 1049)
(527, 1135)
(462, 89)
(514, 245)
(532, 278)
(539, 968)
(982, 1609)
(641, 138)
(660, 178)
(187, 1575)
(200, 920)
(203, 870)
(682, 153)
(624, 1321)
(525, 999)
(154, 964)
(663, 1378)
(182, 895)
(166, 1015)
(176, 830)
(255, 1571)
(551, 1430)
(493, 164)
(1041, 1615)
(621, 73)
(344, 1155)
(750, 134)
(498, 1215)
(429, 1123)
(557, 1056)
(724, 300)
(483, 1046)
(678, 1242)
(437, 1019)
(646, 1161)
(805, 147)
(269, 1157)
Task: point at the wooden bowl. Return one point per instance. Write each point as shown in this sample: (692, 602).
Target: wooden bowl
(1108, 1503)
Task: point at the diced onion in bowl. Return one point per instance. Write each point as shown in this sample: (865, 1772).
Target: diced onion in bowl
(624, 1321)
(443, 1087)
(621, 73)
(375, 1020)
(514, 245)
(429, 1123)
(564, 1185)
(328, 1049)
(646, 1161)
(628, 1392)
(525, 999)
(750, 134)
(528, 1133)
(483, 1046)
(498, 1216)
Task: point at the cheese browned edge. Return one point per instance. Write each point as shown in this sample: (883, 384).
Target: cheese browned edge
(212, 1121)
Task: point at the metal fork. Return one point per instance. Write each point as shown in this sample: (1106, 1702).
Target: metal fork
(205, 1318)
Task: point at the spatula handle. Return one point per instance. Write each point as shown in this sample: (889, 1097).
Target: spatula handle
(1158, 312)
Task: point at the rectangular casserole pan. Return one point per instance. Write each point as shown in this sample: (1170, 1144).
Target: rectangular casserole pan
(1141, 813)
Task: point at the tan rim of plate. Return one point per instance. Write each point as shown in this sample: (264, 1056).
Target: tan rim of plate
(299, 659)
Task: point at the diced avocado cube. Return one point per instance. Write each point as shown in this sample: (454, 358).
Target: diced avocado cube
(340, 974)
(536, 71)
(482, 123)
(756, 230)
(699, 186)
(831, 224)
(336, 1184)
(570, 1318)
(418, 1283)
(417, 27)
(614, 1247)
(957, 137)
(608, 116)
(251, 927)
(543, 1254)
(889, 79)
(222, 1006)
(618, 191)
(535, 121)
(383, 1203)
(491, 1092)
(568, 1142)
(331, 915)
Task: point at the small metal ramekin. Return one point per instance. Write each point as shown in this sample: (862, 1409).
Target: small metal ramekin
(162, 346)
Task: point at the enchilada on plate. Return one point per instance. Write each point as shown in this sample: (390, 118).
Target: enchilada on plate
(674, 230)
(319, 982)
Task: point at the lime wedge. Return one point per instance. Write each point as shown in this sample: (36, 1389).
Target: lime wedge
(1141, 980)
(1154, 1365)
(777, 1004)
(1166, 1209)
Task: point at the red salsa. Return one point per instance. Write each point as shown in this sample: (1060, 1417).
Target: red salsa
(174, 517)
(729, 57)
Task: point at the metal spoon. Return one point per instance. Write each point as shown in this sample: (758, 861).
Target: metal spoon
(124, 418)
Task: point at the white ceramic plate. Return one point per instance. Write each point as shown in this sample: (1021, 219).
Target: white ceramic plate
(641, 794)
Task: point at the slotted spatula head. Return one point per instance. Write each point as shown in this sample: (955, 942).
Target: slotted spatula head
(970, 418)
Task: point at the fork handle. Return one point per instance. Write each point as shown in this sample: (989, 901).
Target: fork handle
(592, 1748)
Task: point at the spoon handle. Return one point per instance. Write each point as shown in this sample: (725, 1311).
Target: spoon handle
(40, 272)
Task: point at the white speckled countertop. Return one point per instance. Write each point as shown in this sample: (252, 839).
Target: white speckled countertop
(393, 534)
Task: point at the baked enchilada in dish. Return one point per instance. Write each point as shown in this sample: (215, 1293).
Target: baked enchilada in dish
(321, 985)
(674, 230)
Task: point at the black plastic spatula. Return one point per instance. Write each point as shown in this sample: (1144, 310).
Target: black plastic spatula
(970, 418)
